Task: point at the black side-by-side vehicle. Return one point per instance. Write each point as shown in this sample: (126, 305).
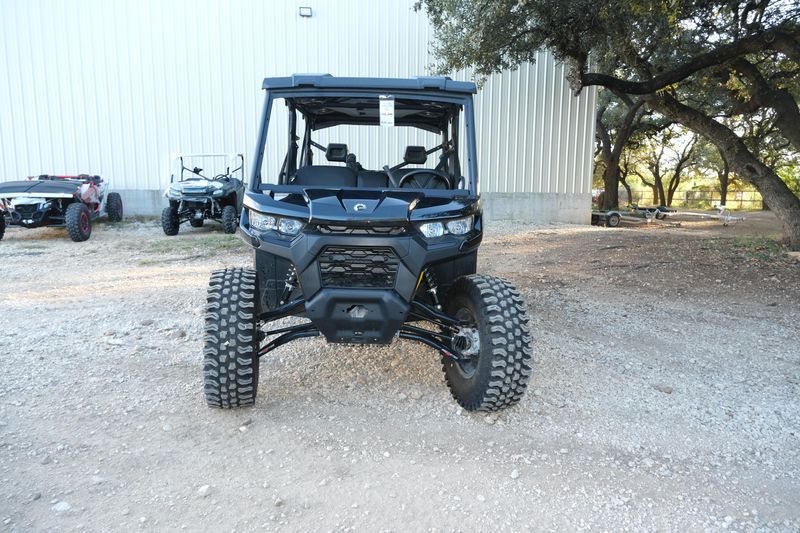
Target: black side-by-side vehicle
(365, 255)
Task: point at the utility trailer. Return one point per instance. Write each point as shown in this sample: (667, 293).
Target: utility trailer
(613, 218)
(723, 214)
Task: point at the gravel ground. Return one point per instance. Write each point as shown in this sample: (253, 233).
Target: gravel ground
(664, 396)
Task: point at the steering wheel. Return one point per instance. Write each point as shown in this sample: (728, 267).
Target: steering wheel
(225, 177)
(392, 176)
(436, 179)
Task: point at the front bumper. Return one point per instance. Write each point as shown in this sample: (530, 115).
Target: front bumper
(358, 286)
(32, 217)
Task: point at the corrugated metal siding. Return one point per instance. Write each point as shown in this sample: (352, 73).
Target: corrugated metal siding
(114, 88)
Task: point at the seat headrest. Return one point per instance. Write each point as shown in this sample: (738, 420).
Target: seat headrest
(336, 153)
(415, 155)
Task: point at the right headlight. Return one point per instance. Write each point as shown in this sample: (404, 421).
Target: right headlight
(456, 226)
(459, 226)
(263, 222)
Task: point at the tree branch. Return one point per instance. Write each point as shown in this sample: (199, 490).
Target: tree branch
(762, 94)
(726, 52)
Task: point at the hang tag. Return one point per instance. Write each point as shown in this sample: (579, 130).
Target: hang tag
(386, 110)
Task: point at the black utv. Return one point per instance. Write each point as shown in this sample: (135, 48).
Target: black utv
(366, 251)
(196, 197)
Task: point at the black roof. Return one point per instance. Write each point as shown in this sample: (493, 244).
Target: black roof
(326, 81)
(327, 111)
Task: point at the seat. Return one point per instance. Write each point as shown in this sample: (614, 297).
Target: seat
(414, 155)
(328, 175)
(373, 179)
(325, 176)
(352, 163)
(336, 153)
(417, 155)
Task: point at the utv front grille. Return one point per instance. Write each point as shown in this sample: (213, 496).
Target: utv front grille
(373, 268)
(27, 212)
(372, 230)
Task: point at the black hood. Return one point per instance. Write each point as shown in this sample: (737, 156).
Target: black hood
(362, 206)
(40, 188)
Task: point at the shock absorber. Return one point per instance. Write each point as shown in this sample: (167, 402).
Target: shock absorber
(430, 279)
(291, 278)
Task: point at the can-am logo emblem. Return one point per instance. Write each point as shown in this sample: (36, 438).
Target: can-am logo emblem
(359, 207)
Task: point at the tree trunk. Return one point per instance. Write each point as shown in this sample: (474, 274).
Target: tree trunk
(624, 183)
(723, 190)
(613, 154)
(724, 180)
(662, 198)
(611, 185)
(774, 191)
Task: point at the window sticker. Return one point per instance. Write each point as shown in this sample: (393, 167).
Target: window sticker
(386, 110)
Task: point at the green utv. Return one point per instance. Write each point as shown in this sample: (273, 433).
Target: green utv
(196, 197)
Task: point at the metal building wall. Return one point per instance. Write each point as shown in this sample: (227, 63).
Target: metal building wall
(115, 87)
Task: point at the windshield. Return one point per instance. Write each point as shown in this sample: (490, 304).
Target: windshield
(190, 167)
(366, 141)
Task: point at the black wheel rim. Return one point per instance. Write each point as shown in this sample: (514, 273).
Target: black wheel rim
(469, 365)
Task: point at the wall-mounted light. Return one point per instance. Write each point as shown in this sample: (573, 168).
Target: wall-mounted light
(306, 12)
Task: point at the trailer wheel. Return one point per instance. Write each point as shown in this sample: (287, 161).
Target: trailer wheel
(230, 219)
(612, 220)
(78, 222)
(230, 367)
(114, 207)
(170, 222)
(496, 375)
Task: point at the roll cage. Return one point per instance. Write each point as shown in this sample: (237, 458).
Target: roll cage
(437, 105)
(234, 165)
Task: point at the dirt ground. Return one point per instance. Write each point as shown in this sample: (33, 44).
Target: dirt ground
(665, 395)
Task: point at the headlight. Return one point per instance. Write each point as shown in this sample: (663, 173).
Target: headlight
(432, 229)
(215, 185)
(458, 226)
(172, 192)
(262, 222)
(289, 226)
(218, 192)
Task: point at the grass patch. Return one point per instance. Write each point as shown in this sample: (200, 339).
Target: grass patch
(32, 246)
(761, 248)
(209, 244)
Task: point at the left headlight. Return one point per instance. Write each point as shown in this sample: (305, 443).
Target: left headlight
(262, 222)
(457, 226)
